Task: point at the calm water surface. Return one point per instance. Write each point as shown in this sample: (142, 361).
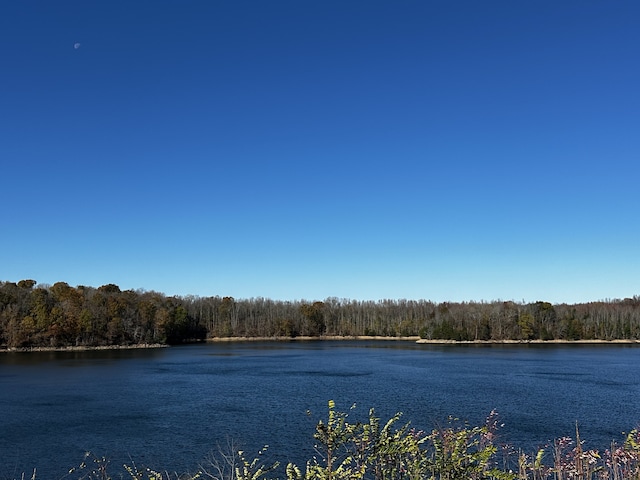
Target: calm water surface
(168, 408)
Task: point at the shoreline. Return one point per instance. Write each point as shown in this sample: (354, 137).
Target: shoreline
(530, 342)
(82, 348)
(419, 340)
(415, 339)
(303, 338)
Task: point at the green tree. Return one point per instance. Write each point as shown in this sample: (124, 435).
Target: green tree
(526, 322)
(314, 316)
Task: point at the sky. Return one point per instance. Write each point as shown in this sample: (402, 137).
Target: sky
(300, 150)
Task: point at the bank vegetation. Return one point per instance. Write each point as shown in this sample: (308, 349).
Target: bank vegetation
(59, 315)
(393, 450)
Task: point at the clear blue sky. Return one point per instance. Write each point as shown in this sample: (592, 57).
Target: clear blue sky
(442, 150)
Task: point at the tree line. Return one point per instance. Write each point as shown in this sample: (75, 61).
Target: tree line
(58, 315)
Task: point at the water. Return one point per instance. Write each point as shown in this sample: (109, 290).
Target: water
(168, 408)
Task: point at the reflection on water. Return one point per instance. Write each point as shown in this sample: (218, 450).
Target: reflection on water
(167, 408)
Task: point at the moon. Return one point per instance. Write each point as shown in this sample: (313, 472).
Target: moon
(76, 45)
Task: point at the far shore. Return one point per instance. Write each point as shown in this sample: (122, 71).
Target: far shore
(414, 339)
(303, 338)
(83, 348)
(529, 342)
(417, 339)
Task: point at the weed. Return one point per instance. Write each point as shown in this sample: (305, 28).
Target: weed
(373, 450)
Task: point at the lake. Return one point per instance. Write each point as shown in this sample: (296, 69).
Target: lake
(168, 408)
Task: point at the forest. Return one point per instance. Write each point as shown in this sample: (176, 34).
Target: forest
(59, 315)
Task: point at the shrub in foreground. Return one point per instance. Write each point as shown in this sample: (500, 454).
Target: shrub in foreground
(373, 450)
